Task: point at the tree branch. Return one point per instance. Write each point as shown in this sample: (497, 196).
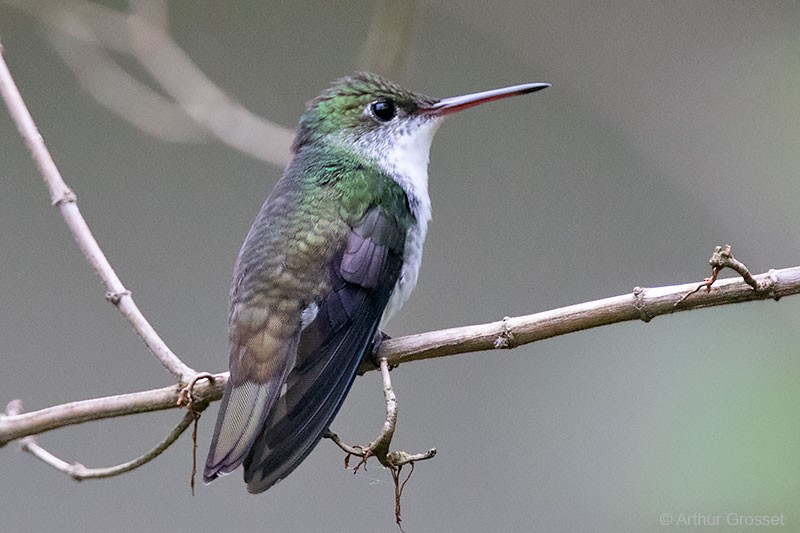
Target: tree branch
(13, 427)
(65, 200)
(642, 304)
(78, 472)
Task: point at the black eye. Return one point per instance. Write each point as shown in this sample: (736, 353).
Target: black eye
(383, 110)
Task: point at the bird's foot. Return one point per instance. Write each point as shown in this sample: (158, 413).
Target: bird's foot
(379, 448)
(371, 359)
(375, 347)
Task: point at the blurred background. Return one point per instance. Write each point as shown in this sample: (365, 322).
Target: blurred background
(671, 127)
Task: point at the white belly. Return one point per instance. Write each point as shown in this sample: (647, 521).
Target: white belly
(412, 258)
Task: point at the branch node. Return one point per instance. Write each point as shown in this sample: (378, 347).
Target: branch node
(723, 258)
(116, 297)
(66, 197)
(773, 279)
(76, 471)
(13, 408)
(400, 458)
(641, 305)
(505, 339)
(186, 395)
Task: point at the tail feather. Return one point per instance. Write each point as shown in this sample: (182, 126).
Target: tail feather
(245, 409)
(261, 359)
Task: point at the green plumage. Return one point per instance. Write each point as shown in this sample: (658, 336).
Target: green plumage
(283, 264)
(341, 107)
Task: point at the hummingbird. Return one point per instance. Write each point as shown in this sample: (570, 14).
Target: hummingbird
(333, 253)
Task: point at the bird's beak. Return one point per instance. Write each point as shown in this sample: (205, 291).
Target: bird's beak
(458, 103)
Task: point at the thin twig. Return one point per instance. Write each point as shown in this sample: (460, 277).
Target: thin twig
(77, 471)
(65, 200)
(398, 493)
(196, 420)
(187, 398)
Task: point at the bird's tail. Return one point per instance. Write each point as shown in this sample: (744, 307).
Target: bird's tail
(244, 409)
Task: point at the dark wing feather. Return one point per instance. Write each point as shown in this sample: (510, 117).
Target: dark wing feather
(330, 350)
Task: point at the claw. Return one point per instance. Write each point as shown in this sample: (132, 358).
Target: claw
(377, 340)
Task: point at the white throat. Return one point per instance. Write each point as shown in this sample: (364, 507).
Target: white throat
(404, 156)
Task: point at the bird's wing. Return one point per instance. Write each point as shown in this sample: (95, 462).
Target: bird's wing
(330, 349)
(263, 349)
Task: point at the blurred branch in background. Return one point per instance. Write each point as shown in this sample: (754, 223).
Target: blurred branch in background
(84, 34)
(389, 40)
(195, 110)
